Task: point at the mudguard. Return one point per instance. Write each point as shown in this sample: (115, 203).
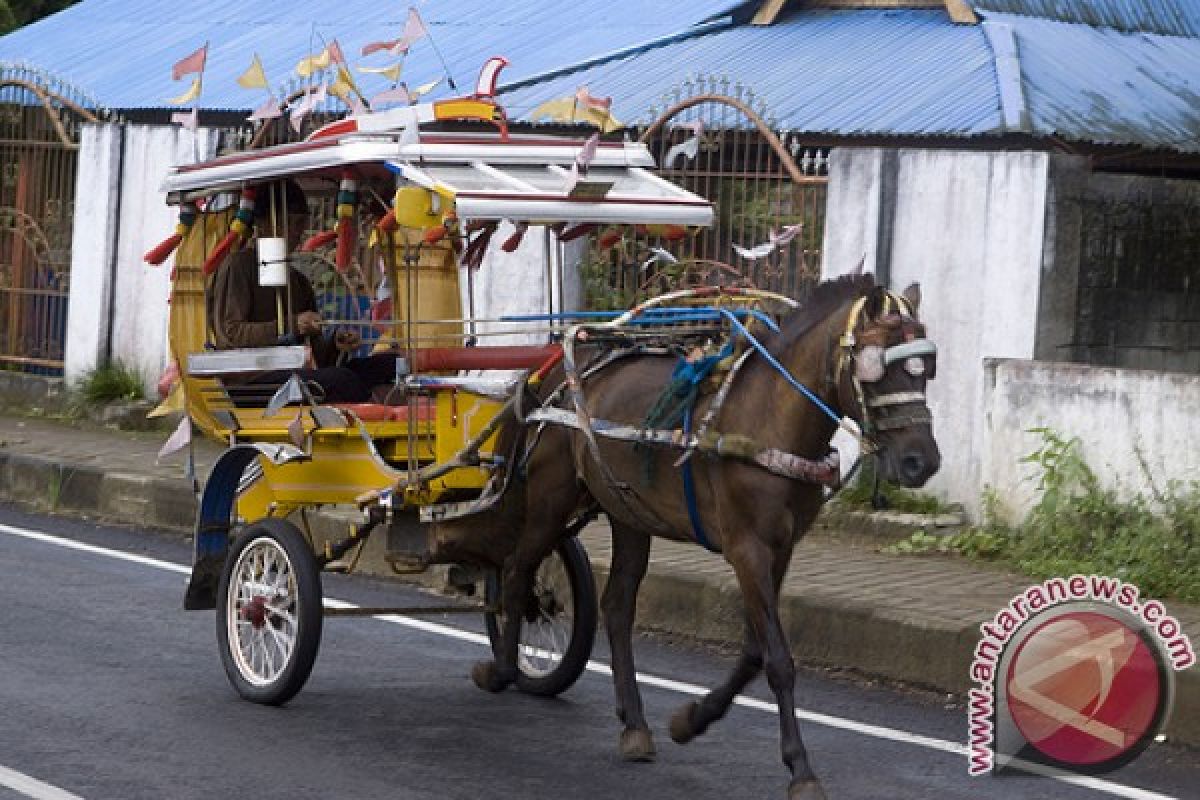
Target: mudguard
(213, 523)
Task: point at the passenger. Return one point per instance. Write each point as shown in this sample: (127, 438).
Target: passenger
(244, 314)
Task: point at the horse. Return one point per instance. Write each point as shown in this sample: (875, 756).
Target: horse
(864, 354)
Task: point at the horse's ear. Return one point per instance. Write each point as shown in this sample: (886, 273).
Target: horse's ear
(862, 262)
(912, 293)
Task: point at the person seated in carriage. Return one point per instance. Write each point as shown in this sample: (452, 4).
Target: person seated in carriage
(243, 313)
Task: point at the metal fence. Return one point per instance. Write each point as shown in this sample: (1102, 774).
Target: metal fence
(768, 191)
(40, 119)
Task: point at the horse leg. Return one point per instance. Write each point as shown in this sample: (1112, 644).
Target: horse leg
(630, 556)
(757, 568)
(693, 718)
(517, 576)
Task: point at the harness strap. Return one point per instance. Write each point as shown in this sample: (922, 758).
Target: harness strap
(896, 399)
(689, 494)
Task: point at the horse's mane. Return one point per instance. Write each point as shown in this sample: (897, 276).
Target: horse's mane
(826, 298)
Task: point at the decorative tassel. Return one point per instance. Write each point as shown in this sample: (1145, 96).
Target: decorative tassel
(511, 244)
(317, 241)
(570, 234)
(187, 218)
(609, 238)
(239, 232)
(347, 232)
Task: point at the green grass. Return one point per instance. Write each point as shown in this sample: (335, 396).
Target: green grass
(111, 383)
(1077, 526)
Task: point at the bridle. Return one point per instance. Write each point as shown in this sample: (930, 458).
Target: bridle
(864, 357)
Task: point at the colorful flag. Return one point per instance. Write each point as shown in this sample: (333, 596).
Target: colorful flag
(177, 440)
(271, 109)
(188, 96)
(424, 89)
(414, 29)
(187, 119)
(254, 77)
(307, 66)
(305, 106)
(345, 90)
(335, 52)
(583, 160)
(586, 100)
(398, 94)
(392, 73)
(375, 47)
(192, 65)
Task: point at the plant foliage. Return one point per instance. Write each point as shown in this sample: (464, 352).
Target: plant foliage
(112, 383)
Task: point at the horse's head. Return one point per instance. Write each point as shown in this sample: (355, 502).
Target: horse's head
(882, 365)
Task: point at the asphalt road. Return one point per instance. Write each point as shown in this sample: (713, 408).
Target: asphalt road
(109, 690)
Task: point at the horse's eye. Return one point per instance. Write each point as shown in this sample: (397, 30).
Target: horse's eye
(914, 366)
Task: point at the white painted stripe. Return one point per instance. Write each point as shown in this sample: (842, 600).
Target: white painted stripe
(32, 787)
(667, 684)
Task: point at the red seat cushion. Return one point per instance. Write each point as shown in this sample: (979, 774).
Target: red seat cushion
(446, 359)
(378, 412)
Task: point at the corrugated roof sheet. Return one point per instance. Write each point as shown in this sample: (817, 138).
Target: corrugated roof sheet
(121, 51)
(1106, 86)
(1169, 17)
(914, 73)
(908, 72)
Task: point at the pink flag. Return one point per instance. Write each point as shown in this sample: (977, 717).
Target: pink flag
(398, 94)
(335, 52)
(583, 160)
(188, 119)
(268, 110)
(177, 440)
(414, 29)
(302, 109)
(585, 99)
(375, 47)
(190, 65)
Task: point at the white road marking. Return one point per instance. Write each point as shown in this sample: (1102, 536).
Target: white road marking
(32, 787)
(680, 687)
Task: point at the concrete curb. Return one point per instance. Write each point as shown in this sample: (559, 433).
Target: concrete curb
(876, 641)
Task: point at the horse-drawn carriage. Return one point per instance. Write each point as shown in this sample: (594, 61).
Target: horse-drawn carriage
(689, 416)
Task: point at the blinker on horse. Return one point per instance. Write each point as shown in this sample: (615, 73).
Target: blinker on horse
(854, 350)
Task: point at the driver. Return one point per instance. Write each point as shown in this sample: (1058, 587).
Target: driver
(244, 314)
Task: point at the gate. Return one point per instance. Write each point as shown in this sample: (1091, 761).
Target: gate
(768, 190)
(40, 119)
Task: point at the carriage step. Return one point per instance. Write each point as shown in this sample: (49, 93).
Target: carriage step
(407, 563)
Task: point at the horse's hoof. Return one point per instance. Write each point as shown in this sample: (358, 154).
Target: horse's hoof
(806, 790)
(637, 745)
(487, 677)
(681, 727)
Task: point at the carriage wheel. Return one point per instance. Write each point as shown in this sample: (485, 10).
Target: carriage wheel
(269, 612)
(559, 625)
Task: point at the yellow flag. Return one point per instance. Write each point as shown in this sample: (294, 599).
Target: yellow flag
(392, 73)
(253, 77)
(308, 66)
(188, 96)
(423, 89)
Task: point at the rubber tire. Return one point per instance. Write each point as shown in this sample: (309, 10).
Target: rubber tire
(583, 629)
(309, 612)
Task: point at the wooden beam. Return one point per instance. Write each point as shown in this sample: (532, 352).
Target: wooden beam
(767, 12)
(961, 12)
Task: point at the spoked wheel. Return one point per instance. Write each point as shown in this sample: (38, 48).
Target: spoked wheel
(269, 612)
(559, 625)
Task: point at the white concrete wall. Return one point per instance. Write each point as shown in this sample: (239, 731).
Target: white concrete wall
(132, 201)
(93, 239)
(1137, 429)
(969, 227)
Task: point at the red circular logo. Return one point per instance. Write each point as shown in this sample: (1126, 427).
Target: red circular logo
(1084, 689)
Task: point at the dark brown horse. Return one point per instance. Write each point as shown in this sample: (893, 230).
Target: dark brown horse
(856, 346)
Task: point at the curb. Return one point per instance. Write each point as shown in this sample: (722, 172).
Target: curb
(875, 641)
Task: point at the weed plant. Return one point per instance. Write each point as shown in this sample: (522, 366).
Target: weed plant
(110, 383)
(1077, 526)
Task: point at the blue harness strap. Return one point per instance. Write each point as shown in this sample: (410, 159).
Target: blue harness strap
(689, 493)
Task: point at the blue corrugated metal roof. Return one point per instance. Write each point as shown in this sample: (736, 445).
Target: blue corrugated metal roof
(1170, 17)
(914, 73)
(838, 72)
(121, 51)
(1107, 86)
